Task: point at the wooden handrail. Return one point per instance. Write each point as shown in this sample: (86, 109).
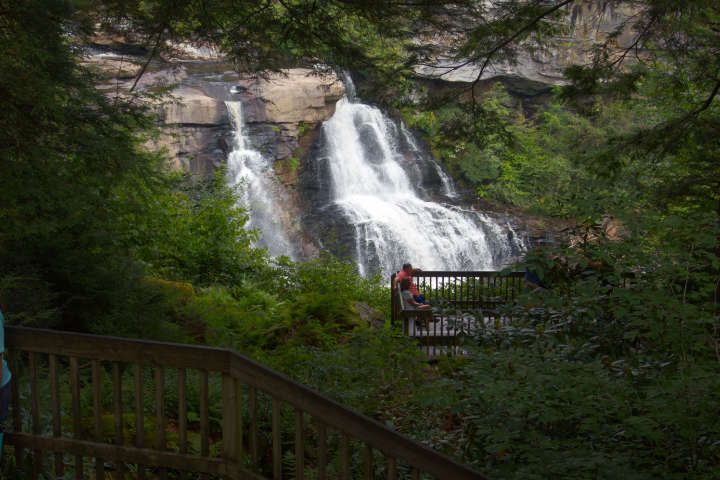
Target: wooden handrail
(467, 273)
(236, 370)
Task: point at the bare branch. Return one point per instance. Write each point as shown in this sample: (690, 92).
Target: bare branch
(708, 101)
(509, 40)
(153, 52)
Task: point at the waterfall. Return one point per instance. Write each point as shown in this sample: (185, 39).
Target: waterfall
(448, 189)
(392, 223)
(253, 174)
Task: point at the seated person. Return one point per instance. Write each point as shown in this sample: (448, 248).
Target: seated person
(409, 299)
(406, 273)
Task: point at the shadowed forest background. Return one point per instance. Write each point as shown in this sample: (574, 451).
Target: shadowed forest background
(592, 379)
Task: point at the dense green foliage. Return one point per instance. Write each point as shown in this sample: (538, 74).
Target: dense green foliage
(609, 372)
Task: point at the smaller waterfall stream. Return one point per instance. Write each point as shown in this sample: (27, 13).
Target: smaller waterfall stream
(448, 189)
(250, 171)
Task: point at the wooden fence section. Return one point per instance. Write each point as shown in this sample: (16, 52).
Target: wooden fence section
(461, 302)
(85, 405)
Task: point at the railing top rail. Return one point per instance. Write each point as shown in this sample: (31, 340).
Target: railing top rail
(278, 385)
(118, 349)
(467, 273)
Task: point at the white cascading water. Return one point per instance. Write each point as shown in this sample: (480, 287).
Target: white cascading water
(393, 225)
(448, 189)
(253, 174)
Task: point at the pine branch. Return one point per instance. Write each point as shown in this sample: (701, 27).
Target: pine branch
(512, 38)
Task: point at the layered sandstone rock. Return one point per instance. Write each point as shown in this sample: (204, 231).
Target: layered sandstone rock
(539, 69)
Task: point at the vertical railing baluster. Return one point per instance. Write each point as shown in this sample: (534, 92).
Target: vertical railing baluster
(507, 288)
(117, 407)
(229, 421)
(35, 411)
(276, 440)
(182, 415)
(455, 289)
(139, 415)
(322, 451)
(75, 394)
(204, 423)
(56, 423)
(391, 468)
(495, 296)
(299, 445)
(252, 408)
(160, 413)
(368, 463)
(475, 297)
(97, 414)
(344, 456)
(15, 360)
(239, 421)
(393, 301)
(466, 290)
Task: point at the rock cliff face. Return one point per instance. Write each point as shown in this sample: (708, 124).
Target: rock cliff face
(278, 109)
(534, 72)
(194, 124)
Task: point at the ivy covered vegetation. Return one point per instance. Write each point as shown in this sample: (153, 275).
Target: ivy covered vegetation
(610, 371)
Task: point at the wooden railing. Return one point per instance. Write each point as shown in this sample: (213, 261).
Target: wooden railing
(84, 404)
(461, 301)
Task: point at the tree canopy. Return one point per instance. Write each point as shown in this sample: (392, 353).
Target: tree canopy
(610, 371)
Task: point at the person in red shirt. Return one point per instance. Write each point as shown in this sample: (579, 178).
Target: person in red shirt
(407, 272)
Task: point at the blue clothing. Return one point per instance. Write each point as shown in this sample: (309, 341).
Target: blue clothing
(5, 370)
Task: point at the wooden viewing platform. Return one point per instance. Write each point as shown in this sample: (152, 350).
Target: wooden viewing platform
(462, 303)
(86, 405)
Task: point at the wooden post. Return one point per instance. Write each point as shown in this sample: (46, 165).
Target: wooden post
(369, 470)
(204, 423)
(322, 451)
(16, 408)
(239, 421)
(117, 404)
(182, 415)
(276, 440)
(299, 445)
(160, 413)
(35, 411)
(394, 307)
(229, 419)
(252, 406)
(75, 394)
(55, 400)
(344, 456)
(391, 469)
(139, 415)
(97, 414)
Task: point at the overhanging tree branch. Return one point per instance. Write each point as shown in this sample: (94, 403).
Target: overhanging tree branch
(153, 52)
(512, 38)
